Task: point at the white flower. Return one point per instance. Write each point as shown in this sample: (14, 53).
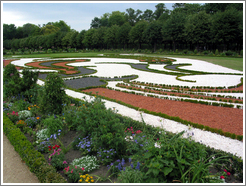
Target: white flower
(157, 145)
(129, 138)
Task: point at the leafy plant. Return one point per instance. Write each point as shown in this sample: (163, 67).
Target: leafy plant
(32, 122)
(53, 124)
(73, 172)
(105, 156)
(130, 175)
(54, 95)
(57, 158)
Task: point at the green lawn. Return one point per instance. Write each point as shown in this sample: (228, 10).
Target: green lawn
(229, 62)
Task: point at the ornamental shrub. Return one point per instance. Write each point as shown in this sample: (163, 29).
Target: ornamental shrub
(11, 81)
(29, 79)
(53, 94)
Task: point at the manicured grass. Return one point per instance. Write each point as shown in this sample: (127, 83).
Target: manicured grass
(229, 62)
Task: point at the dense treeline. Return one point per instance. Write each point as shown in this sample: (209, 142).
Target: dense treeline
(198, 27)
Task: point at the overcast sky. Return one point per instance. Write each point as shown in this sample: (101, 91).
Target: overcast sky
(78, 14)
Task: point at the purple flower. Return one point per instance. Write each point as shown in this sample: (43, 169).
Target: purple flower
(138, 166)
(132, 165)
(123, 162)
(130, 160)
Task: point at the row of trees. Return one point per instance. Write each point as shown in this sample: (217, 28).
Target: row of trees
(188, 26)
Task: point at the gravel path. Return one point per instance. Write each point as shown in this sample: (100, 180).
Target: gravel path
(14, 169)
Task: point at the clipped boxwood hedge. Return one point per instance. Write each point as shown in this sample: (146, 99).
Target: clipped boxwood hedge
(34, 159)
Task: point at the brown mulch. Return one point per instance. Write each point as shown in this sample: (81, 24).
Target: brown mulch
(6, 62)
(227, 119)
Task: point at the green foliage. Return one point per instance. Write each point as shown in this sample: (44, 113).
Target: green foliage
(130, 175)
(11, 81)
(53, 124)
(57, 160)
(29, 79)
(54, 95)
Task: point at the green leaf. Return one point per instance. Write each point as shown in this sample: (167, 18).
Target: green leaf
(167, 170)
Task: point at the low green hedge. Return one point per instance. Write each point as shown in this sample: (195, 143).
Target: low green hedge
(34, 159)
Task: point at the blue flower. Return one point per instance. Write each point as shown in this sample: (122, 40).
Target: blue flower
(51, 136)
(47, 139)
(141, 145)
(59, 130)
(130, 160)
(136, 141)
(118, 160)
(138, 166)
(107, 156)
(132, 165)
(123, 162)
(119, 167)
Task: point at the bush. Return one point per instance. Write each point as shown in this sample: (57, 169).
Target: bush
(53, 124)
(11, 81)
(216, 52)
(29, 79)
(54, 95)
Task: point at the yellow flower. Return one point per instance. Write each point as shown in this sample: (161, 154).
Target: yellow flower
(34, 105)
(81, 176)
(91, 177)
(31, 96)
(37, 117)
(80, 180)
(29, 108)
(92, 180)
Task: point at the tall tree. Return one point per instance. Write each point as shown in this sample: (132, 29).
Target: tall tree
(148, 15)
(226, 26)
(9, 31)
(88, 41)
(173, 29)
(153, 33)
(116, 18)
(136, 33)
(123, 34)
(160, 9)
(111, 37)
(198, 29)
(133, 16)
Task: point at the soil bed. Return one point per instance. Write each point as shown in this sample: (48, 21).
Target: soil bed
(227, 119)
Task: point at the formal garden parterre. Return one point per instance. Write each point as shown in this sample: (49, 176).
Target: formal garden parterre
(65, 139)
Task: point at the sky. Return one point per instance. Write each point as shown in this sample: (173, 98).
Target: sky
(77, 14)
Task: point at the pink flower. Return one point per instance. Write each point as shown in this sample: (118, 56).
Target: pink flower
(83, 168)
(225, 170)
(7, 113)
(64, 162)
(131, 127)
(228, 174)
(222, 177)
(49, 159)
(72, 171)
(75, 167)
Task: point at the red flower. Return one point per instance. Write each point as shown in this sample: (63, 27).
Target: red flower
(57, 146)
(7, 113)
(222, 177)
(54, 147)
(157, 139)
(49, 147)
(225, 170)
(228, 174)
(83, 168)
